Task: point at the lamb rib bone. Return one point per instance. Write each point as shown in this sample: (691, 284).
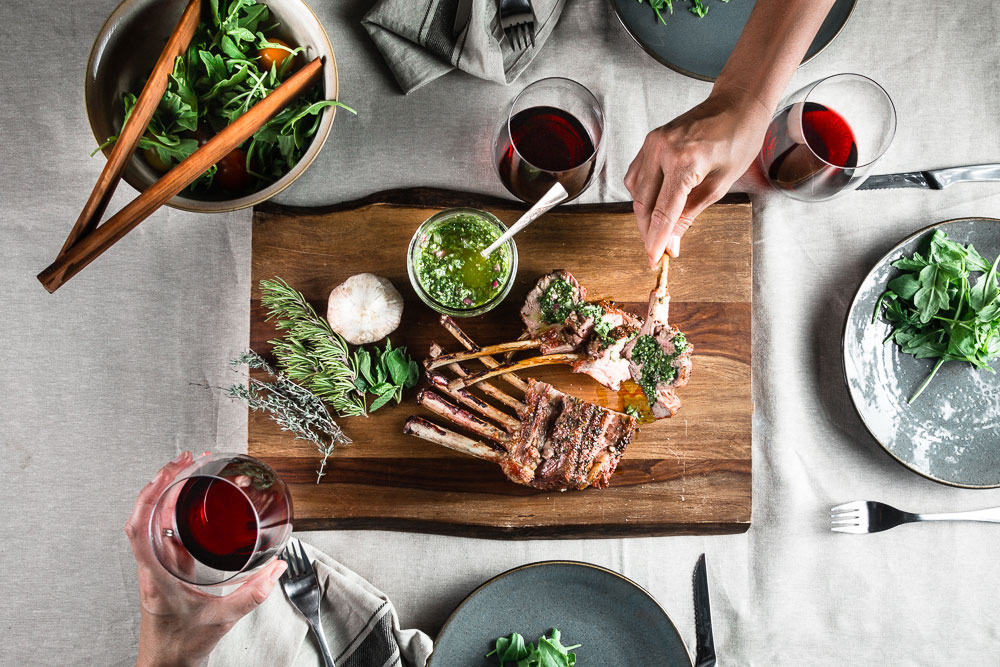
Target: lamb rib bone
(452, 327)
(430, 431)
(487, 388)
(472, 401)
(439, 406)
(513, 346)
(543, 360)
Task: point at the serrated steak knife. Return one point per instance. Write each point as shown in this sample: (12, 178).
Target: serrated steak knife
(705, 648)
(935, 179)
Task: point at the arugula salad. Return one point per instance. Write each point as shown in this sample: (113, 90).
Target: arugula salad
(697, 8)
(935, 310)
(233, 62)
(548, 652)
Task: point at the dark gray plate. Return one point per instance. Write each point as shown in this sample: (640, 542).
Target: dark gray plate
(700, 47)
(951, 433)
(617, 622)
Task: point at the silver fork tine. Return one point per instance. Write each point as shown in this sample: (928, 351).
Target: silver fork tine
(307, 567)
(289, 557)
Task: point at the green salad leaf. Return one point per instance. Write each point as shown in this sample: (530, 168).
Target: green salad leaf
(697, 8)
(549, 652)
(218, 79)
(935, 310)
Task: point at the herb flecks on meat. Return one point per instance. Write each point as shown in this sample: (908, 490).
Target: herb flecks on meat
(656, 365)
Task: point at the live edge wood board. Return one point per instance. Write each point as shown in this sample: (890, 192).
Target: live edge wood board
(686, 475)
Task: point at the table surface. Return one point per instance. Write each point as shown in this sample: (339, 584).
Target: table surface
(102, 380)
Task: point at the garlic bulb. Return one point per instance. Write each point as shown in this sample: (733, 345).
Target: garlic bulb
(364, 309)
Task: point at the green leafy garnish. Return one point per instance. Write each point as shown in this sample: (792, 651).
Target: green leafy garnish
(935, 310)
(392, 372)
(216, 81)
(697, 8)
(549, 652)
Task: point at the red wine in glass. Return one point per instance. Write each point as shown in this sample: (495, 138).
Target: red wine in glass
(216, 523)
(818, 154)
(545, 145)
(226, 516)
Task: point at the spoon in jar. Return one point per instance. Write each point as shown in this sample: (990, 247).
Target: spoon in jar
(556, 195)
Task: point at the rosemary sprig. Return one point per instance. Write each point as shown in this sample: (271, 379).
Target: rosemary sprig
(310, 352)
(292, 407)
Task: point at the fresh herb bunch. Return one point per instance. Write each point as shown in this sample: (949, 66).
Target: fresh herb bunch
(217, 80)
(549, 652)
(292, 407)
(386, 378)
(936, 312)
(697, 8)
(310, 352)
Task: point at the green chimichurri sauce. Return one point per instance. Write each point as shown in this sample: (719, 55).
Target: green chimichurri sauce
(450, 268)
(557, 302)
(657, 366)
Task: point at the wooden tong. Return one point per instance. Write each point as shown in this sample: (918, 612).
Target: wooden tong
(87, 241)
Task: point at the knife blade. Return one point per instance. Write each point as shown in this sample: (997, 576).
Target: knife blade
(934, 179)
(705, 642)
(462, 15)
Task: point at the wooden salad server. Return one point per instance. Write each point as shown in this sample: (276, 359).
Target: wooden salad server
(91, 246)
(135, 126)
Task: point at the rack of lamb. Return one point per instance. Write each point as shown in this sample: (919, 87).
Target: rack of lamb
(596, 338)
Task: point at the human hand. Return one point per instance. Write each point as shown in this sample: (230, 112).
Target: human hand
(180, 623)
(690, 163)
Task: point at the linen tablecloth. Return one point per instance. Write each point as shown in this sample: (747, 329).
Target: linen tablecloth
(98, 378)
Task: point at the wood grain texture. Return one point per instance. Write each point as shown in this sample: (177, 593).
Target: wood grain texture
(686, 475)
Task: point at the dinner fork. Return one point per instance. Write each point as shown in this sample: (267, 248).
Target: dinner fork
(302, 589)
(869, 516)
(518, 22)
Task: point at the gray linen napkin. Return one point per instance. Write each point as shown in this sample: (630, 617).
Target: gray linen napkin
(360, 624)
(416, 39)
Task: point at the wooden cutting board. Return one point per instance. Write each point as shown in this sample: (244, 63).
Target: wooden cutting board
(689, 474)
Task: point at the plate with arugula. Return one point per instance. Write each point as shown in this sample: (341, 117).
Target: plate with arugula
(695, 37)
(559, 614)
(922, 348)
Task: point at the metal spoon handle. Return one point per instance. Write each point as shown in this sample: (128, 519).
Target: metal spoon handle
(556, 195)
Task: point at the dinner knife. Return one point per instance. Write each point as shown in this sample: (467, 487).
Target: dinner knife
(935, 179)
(705, 643)
(462, 16)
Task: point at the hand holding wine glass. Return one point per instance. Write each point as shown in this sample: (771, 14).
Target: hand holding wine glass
(181, 624)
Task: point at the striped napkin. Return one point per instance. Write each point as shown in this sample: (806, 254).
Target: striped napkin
(419, 44)
(359, 622)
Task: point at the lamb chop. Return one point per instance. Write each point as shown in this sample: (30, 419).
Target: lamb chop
(567, 330)
(659, 357)
(558, 442)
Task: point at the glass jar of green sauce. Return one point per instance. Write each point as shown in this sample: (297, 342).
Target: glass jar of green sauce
(447, 270)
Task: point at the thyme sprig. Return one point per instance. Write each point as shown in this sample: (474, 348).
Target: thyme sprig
(310, 352)
(292, 407)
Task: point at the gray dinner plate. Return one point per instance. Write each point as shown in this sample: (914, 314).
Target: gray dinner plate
(951, 433)
(700, 47)
(615, 620)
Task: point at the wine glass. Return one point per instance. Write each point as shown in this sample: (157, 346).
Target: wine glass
(826, 137)
(225, 517)
(553, 131)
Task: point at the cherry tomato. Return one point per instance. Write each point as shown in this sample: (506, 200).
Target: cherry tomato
(154, 160)
(232, 172)
(270, 56)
